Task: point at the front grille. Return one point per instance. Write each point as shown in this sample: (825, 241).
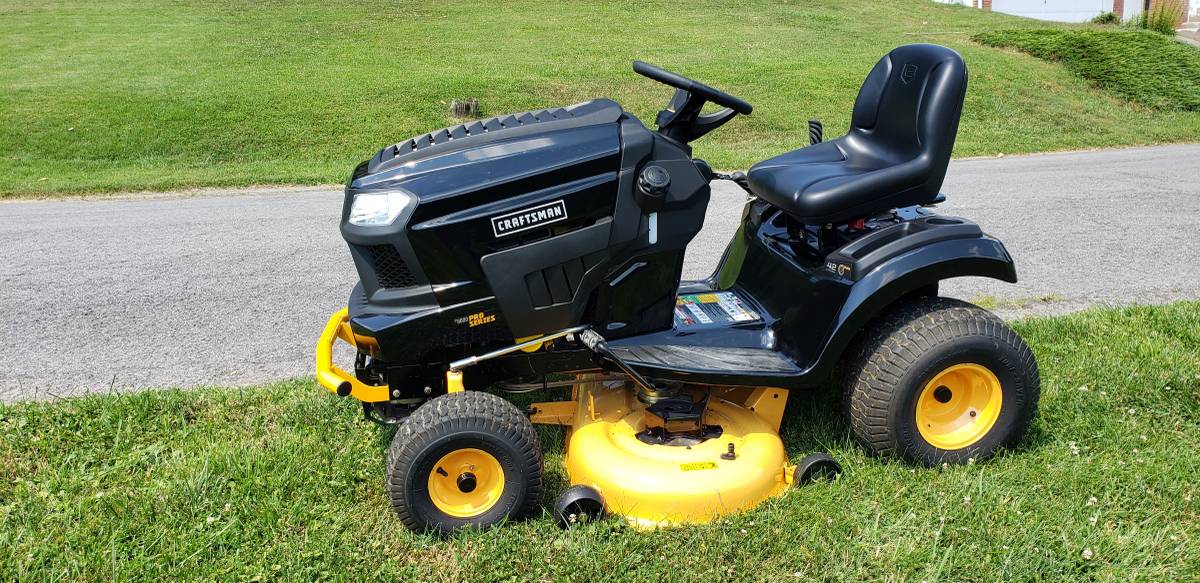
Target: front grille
(390, 269)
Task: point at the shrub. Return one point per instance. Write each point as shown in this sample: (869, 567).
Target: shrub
(1163, 18)
(1107, 18)
(1146, 68)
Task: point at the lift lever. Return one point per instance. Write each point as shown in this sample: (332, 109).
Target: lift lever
(596, 344)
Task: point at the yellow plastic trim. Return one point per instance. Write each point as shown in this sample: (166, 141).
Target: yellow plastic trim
(958, 406)
(531, 348)
(454, 382)
(768, 404)
(465, 483)
(553, 413)
(335, 379)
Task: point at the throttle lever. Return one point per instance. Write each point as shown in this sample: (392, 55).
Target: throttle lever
(739, 178)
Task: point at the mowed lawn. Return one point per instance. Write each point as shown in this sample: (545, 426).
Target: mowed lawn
(124, 95)
(286, 482)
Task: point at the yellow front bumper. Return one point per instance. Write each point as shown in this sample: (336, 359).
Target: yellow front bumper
(335, 379)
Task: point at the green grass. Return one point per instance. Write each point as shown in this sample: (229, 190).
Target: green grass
(285, 482)
(990, 302)
(1144, 67)
(134, 94)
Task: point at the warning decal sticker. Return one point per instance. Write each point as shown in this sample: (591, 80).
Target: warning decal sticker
(698, 313)
(718, 308)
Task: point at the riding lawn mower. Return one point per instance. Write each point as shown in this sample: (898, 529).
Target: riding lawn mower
(544, 250)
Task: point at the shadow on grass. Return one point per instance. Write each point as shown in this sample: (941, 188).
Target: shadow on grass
(812, 423)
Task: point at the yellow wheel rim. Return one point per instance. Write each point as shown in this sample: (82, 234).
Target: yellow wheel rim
(958, 406)
(466, 482)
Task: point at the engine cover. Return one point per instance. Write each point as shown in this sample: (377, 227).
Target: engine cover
(521, 225)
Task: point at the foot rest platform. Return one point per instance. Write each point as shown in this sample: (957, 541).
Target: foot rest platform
(707, 360)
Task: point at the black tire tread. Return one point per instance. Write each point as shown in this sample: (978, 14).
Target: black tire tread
(895, 341)
(464, 411)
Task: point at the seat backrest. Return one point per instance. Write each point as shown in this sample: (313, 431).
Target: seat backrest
(908, 109)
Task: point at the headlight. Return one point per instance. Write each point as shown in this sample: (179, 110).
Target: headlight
(378, 208)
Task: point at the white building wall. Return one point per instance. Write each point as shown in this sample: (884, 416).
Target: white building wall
(1059, 10)
(1132, 9)
(1068, 10)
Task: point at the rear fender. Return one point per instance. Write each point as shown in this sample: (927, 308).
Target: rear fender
(907, 274)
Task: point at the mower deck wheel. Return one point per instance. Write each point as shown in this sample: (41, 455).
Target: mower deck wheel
(462, 460)
(817, 466)
(578, 505)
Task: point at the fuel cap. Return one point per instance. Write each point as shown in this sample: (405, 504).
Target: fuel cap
(654, 181)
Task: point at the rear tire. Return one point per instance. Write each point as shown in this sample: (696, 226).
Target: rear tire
(464, 460)
(938, 380)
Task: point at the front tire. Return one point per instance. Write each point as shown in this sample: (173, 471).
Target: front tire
(464, 460)
(938, 380)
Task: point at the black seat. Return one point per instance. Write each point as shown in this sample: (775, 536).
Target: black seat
(895, 155)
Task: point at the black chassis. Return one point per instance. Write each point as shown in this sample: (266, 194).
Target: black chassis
(813, 302)
(442, 281)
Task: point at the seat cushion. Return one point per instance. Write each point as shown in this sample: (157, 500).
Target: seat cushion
(895, 154)
(827, 183)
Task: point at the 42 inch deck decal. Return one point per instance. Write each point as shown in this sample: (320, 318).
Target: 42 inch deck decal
(530, 218)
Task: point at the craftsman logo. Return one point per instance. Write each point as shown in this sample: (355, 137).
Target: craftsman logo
(530, 218)
(908, 73)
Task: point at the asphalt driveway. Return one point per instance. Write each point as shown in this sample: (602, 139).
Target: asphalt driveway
(228, 288)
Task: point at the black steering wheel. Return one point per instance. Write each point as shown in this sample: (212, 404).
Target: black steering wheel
(692, 86)
(682, 120)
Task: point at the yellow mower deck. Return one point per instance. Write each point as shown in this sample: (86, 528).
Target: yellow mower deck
(651, 485)
(655, 485)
